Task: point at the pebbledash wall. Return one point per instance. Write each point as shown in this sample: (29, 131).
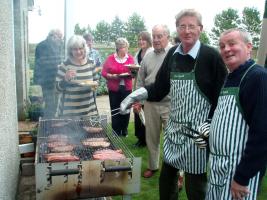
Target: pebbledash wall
(12, 55)
(9, 156)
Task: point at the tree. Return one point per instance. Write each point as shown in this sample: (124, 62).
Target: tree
(252, 23)
(134, 26)
(78, 30)
(117, 29)
(227, 19)
(102, 32)
(204, 38)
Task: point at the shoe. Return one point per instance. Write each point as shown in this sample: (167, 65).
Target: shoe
(124, 133)
(180, 183)
(149, 173)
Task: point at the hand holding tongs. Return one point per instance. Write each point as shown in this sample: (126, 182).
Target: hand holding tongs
(193, 136)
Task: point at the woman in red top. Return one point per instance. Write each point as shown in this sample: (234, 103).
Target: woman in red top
(119, 82)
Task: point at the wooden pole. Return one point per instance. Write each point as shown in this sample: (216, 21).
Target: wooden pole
(262, 51)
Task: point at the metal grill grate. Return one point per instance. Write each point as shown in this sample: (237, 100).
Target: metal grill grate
(75, 132)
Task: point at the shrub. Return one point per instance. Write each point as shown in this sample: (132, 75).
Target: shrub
(35, 111)
(102, 88)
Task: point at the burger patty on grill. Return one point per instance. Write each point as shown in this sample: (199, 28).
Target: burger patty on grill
(90, 129)
(66, 148)
(108, 154)
(97, 143)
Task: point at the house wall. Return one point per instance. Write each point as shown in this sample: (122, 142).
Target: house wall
(21, 52)
(9, 153)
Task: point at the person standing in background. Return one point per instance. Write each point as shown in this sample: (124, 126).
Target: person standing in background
(48, 56)
(238, 131)
(144, 43)
(76, 81)
(192, 74)
(156, 113)
(119, 83)
(93, 54)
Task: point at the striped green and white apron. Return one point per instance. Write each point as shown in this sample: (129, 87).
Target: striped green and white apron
(228, 137)
(189, 107)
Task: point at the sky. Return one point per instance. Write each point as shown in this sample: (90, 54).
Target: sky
(49, 14)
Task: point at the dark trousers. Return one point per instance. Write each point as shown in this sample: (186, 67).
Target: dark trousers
(140, 129)
(50, 98)
(195, 184)
(119, 122)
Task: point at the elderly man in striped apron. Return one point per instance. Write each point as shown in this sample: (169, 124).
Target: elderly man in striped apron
(193, 73)
(238, 136)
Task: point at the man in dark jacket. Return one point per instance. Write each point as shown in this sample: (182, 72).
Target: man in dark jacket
(48, 55)
(193, 73)
(238, 136)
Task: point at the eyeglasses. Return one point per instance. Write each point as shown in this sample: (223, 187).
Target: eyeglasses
(189, 27)
(77, 49)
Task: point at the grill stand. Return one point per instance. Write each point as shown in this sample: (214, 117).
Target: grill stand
(86, 178)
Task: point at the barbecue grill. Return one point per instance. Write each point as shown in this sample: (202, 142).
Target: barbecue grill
(83, 177)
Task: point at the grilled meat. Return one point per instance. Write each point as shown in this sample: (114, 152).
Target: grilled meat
(108, 154)
(61, 157)
(97, 143)
(56, 144)
(96, 139)
(90, 129)
(67, 148)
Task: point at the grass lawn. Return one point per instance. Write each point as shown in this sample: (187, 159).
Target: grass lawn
(149, 187)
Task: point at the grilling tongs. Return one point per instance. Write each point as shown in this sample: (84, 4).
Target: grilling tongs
(199, 135)
(116, 113)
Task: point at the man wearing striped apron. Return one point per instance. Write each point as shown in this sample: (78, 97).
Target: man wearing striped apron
(238, 132)
(193, 73)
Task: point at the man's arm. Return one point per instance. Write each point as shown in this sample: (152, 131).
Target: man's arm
(161, 87)
(255, 111)
(140, 81)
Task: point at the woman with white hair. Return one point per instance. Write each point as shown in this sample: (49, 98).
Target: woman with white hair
(76, 81)
(119, 82)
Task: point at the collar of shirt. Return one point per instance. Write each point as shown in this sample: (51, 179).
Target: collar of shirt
(121, 60)
(157, 51)
(243, 67)
(193, 52)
